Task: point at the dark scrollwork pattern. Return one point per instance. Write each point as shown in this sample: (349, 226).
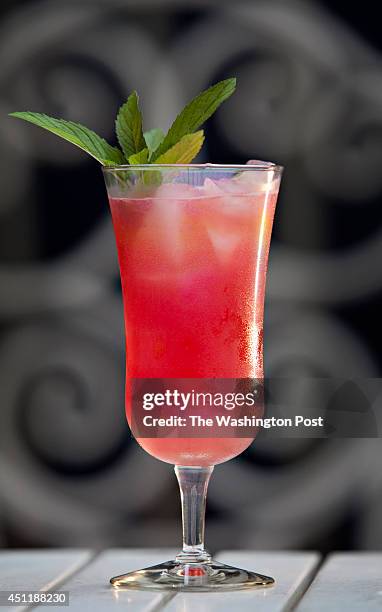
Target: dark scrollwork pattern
(309, 97)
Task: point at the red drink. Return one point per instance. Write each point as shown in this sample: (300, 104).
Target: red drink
(193, 266)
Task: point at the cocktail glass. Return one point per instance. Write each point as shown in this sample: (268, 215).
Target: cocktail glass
(193, 244)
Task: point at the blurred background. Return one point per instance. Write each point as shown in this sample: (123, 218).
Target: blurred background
(309, 97)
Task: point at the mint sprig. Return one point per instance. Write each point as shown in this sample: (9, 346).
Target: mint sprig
(180, 145)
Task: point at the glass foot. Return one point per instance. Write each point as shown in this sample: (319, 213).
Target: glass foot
(209, 576)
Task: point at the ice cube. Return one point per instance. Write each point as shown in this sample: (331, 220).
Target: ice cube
(256, 181)
(221, 186)
(233, 196)
(211, 187)
(224, 243)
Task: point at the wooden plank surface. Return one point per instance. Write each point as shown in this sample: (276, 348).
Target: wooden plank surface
(36, 570)
(89, 590)
(347, 582)
(292, 572)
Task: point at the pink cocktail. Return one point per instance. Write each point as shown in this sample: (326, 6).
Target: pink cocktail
(193, 246)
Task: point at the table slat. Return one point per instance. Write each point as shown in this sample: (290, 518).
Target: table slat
(292, 571)
(350, 582)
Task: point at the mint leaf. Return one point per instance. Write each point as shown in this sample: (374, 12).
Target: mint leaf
(196, 113)
(128, 126)
(139, 158)
(153, 139)
(77, 134)
(184, 151)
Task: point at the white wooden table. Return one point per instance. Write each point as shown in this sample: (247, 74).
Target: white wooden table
(345, 582)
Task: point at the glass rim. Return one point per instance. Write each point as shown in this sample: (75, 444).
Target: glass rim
(255, 166)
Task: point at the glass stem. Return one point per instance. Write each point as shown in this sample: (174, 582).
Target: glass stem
(193, 484)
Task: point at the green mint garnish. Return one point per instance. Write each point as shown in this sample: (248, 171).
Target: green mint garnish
(184, 151)
(128, 127)
(180, 145)
(153, 139)
(77, 134)
(139, 158)
(196, 113)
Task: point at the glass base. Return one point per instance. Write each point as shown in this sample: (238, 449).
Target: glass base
(210, 576)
